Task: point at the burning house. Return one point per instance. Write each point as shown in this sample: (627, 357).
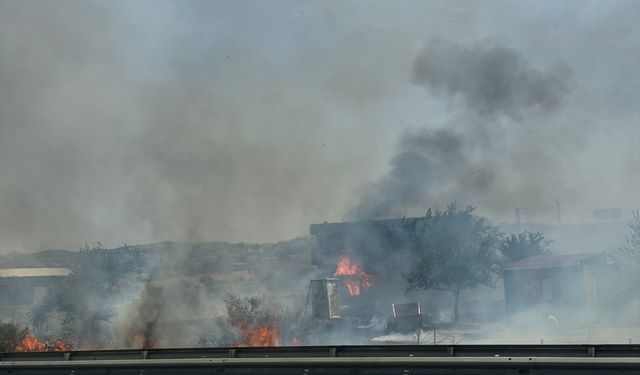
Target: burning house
(377, 236)
(359, 252)
(367, 258)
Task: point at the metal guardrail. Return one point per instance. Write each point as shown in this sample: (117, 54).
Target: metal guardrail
(392, 359)
(609, 351)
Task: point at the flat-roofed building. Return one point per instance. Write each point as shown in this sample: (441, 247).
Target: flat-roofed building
(559, 283)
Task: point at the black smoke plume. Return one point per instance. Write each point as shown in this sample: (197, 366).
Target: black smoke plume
(491, 79)
(493, 91)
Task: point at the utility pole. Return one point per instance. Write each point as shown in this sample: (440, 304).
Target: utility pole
(558, 209)
(518, 215)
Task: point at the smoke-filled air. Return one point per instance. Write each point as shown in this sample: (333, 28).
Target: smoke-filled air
(240, 173)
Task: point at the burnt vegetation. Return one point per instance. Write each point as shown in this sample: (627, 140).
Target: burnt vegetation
(11, 335)
(450, 250)
(80, 310)
(258, 321)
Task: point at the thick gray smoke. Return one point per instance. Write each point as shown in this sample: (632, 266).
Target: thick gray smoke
(489, 78)
(428, 158)
(201, 121)
(405, 184)
(195, 121)
(492, 87)
(147, 122)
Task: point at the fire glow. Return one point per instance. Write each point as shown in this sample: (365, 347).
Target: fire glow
(259, 336)
(353, 276)
(143, 340)
(30, 343)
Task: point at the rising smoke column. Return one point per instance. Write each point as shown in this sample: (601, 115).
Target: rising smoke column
(493, 92)
(491, 80)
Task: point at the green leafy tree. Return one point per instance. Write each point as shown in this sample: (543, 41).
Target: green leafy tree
(518, 246)
(454, 250)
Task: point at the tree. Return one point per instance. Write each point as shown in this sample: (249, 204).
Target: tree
(631, 250)
(454, 250)
(518, 246)
(80, 307)
(10, 336)
(630, 253)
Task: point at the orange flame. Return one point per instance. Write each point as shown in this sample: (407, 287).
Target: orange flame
(60, 346)
(30, 343)
(259, 336)
(356, 276)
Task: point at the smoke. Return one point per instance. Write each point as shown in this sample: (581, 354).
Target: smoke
(203, 121)
(429, 161)
(490, 79)
(497, 95)
(405, 184)
(137, 123)
(181, 297)
(199, 121)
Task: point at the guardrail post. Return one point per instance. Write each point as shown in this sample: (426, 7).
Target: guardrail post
(450, 351)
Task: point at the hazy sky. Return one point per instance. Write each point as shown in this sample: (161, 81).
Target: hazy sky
(147, 121)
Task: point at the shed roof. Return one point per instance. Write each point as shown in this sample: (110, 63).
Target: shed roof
(34, 272)
(348, 226)
(551, 261)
